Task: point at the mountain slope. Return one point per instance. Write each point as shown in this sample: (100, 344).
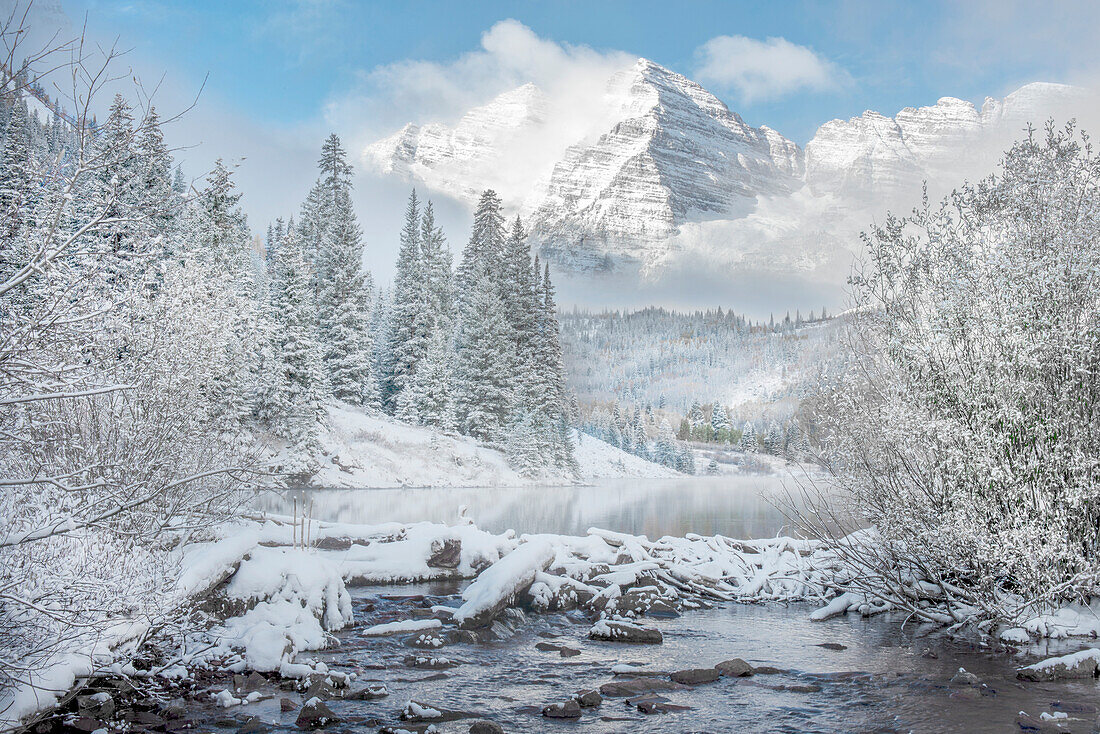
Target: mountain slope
(676, 153)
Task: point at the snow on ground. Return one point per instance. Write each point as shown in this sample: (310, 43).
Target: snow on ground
(371, 451)
(600, 460)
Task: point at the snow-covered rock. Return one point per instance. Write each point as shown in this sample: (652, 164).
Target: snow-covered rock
(1081, 664)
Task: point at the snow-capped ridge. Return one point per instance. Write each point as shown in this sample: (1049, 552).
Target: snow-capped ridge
(663, 159)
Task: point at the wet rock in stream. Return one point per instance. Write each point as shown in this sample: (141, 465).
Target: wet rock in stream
(609, 630)
(314, 715)
(567, 710)
(735, 668)
(486, 727)
(695, 676)
(637, 686)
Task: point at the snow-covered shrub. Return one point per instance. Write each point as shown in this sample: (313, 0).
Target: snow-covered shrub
(123, 375)
(966, 428)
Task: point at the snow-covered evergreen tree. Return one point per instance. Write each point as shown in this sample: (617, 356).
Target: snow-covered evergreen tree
(292, 402)
(483, 391)
(429, 399)
(411, 319)
(484, 253)
(438, 269)
(748, 441)
(720, 423)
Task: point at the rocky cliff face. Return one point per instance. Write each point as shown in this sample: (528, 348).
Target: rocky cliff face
(667, 165)
(675, 153)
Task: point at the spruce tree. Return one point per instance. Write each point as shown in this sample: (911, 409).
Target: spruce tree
(484, 253)
(438, 265)
(429, 399)
(15, 180)
(342, 309)
(293, 403)
(411, 319)
(483, 395)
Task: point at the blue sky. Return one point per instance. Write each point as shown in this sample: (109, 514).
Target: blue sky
(281, 74)
(285, 60)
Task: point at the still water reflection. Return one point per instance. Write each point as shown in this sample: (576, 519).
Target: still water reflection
(738, 506)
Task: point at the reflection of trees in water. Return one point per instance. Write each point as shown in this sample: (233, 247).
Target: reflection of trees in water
(738, 507)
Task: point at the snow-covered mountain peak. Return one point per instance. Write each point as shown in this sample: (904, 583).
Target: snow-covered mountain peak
(468, 156)
(877, 158)
(655, 167)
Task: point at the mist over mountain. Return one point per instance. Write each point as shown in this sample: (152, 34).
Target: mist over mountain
(657, 184)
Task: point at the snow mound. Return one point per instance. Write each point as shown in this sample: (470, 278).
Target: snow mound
(363, 450)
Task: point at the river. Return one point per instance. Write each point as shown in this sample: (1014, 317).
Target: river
(875, 675)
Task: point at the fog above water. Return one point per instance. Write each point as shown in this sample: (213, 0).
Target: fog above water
(735, 506)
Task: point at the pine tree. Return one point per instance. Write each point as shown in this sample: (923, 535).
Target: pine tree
(215, 234)
(15, 181)
(429, 399)
(153, 186)
(411, 319)
(483, 395)
(293, 403)
(438, 265)
(720, 423)
(323, 207)
(748, 440)
(549, 370)
(342, 309)
(484, 253)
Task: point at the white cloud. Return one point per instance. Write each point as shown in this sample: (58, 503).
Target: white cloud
(768, 69)
(511, 54)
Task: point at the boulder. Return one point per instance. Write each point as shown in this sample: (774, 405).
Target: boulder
(735, 668)
(637, 686)
(1083, 664)
(252, 725)
(176, 709)
(567, 710)
(424, 662)
(660, 707)
(628, 632)
(486, 727)
(315, 714)
(96, 705)
(372, 692)
(964, 678)
(695, 676)
(445, 553)
(588, 699)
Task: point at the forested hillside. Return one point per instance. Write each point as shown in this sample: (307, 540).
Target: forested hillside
(712, 376)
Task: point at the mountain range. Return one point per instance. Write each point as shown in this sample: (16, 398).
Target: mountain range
(663, 171)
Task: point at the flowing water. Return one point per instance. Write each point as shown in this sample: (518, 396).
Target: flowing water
(876, 675)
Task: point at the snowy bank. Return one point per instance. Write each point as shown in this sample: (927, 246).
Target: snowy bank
(364, 450)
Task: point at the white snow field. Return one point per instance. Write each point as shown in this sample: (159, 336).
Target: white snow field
(375, 451)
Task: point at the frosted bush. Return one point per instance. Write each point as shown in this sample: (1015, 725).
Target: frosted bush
(966, 427)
